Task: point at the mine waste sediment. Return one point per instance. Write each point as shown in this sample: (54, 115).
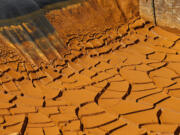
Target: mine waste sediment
(91, 68)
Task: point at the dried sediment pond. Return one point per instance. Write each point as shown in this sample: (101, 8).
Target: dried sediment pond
(118, 75)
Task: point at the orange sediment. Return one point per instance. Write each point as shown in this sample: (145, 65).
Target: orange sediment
(122, 79)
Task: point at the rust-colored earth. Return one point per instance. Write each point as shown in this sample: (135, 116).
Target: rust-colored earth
(119, 76)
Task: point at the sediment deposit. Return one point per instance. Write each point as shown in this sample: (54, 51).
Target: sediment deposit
(118, 74)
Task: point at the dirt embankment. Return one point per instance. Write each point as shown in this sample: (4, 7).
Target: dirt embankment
(92, 16)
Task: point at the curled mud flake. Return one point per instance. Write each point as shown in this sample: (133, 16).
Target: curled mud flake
(38, 79)
(159, 113)
(77, 57)
(97, 64)
(57, 78)
(61, 132)
(96, 99)
(130, 44)
(44, 104)
(139, 26)
(18, 79)
(5, 71)
(59, 95)
(155, 38)
(5, 92)
(96, 74)
(13, 99)
(175, 42)
(150, 28)
(164, 65)
(177, 131)
(106, 52)
(24, 126)
(116, 128)
(22, 94)
(69, 76)
(128, 92)
(81, 71)
(81, 126)
(148, 54)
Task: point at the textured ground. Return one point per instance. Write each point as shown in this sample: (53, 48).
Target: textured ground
(122, 81)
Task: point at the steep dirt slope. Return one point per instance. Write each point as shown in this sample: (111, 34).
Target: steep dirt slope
(92, 16)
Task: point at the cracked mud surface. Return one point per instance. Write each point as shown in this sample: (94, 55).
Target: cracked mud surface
(122, 81)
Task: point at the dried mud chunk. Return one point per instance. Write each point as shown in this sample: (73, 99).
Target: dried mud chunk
(133, 59)
(4, 112)
(162, 82)
(154, 98)
(80, 81)
(88, 73)
(78, 97)
(13, 120)
(135, 76)
(22, 109)
(46, 91)
(100, 119)
(174, 90)
(163, 72)
(53, 103)
(38, 118)
(171, 103)
(13, 128)
(127, 129)
(94, 131)
(51, 131)
(115, 78)
(35, 131)
(5, 97)
(143, 67)
(100, 76)
(72, 126)
(165, 33)
(29, 101)
(137, 117)
(142, 49)
(156, 65)
(119, 86)
(162, 129)
(174, 66)
(48, 110)
(50, 73)
(157, 56)
(14, 74)
(113, 94)
(113, 125)
(90, 109)
(137, 95)
(143, 86)
(5, 105)
(128, 106)
(63, 118)
(1, 120)
(27, 88)
(10, 86)
(169, 116)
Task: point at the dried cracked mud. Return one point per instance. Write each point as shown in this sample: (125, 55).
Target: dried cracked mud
(124, 80)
